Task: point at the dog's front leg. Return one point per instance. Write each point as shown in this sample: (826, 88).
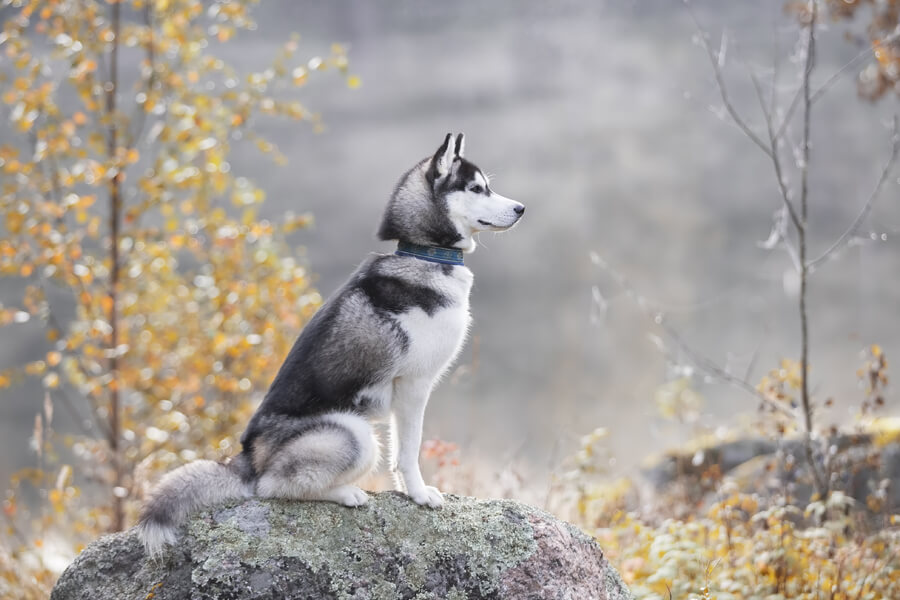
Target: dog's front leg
(408, 406)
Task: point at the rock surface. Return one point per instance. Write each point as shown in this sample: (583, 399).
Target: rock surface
(389, 549)
(862, 465)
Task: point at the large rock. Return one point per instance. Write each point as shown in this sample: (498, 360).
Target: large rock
(859, 465)
(389, 549)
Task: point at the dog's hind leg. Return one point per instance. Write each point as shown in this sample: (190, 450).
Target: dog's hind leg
(317, 459)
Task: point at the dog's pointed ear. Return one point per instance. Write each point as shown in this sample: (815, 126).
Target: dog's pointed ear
(460, 145)
(443, 158)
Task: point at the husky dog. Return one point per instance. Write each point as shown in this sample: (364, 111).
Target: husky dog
(374, 350)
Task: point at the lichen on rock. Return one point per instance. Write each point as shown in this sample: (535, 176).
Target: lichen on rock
(388, 549)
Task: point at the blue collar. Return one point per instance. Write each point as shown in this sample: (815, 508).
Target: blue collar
(435, 254)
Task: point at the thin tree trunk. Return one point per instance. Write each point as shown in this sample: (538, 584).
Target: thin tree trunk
(819, 478)
(115, 209)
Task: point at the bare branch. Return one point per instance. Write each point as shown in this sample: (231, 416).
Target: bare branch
(795, 102)
(701, 362)
(771, 150)
(776, 163)
(723, 90)
(867, 207)
(752, 364)
(782, 186)
(757, 87)
(708, 366)
(822, 89)
(779, 235)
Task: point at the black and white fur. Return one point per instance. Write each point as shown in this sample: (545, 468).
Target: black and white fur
(374, 351)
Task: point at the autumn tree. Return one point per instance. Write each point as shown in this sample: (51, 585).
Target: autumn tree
(120, 207)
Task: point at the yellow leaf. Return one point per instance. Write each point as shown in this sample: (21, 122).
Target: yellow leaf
(51, 380)
(353, 82)
(37, 367)
(14, 220)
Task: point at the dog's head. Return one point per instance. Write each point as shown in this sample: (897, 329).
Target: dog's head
(445, 200)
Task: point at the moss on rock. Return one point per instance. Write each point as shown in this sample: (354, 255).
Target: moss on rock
(388, 549)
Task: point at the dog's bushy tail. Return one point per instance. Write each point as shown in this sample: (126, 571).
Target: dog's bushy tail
(196, 485)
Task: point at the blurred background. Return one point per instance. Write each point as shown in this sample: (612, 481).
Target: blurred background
(605, 120)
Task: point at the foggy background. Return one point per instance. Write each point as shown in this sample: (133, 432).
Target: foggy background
(600, 118)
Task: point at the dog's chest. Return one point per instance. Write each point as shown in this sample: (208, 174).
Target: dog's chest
(435, 339)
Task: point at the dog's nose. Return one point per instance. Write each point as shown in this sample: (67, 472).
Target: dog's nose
(519, 209)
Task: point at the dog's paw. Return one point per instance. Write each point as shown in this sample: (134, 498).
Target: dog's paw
(427, 496)
(348, 495)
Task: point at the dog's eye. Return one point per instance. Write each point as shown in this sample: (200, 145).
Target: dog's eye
(476, 189)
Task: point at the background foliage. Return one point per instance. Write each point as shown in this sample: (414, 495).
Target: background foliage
(167, 303)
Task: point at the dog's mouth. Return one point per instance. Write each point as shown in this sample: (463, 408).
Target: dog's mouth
(495, 227)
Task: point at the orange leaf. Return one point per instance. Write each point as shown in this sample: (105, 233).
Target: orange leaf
(107, 304)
